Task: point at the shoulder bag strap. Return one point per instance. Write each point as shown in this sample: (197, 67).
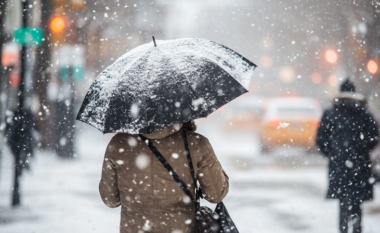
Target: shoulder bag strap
(198, 190)
(170, 170)
(189, 157)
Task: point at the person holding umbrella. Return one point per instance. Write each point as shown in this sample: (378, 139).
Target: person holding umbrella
(150, 97)
(346, 135)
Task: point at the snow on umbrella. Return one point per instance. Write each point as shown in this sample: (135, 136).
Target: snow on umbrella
(153, 87)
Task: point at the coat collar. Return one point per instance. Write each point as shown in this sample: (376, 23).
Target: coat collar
(164, 132)
(351, 95)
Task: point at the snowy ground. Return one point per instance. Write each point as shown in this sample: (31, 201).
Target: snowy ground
(281, 192)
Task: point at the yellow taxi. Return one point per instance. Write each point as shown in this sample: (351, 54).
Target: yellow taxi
(290, 121)
(244, 113)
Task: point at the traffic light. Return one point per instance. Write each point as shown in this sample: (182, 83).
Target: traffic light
(372, 66)
(60, 23)
(57, 28)
(57, 24)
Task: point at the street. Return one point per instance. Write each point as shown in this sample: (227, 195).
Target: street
(279, 192)
(271, 84)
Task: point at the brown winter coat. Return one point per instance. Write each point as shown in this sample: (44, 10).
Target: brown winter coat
(150, 199)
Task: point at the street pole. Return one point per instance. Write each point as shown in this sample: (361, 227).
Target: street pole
(43, 72)
(3, 82)
(66, 117)
(19, 163)
(25, 11)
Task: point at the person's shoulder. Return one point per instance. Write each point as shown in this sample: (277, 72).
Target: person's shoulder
(124, 138)
(329, 115)
(330, 111)
(122, 142)
(367, 114)
(197, 138)
(195, 135)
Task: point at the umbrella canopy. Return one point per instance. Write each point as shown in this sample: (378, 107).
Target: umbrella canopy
(154, 87)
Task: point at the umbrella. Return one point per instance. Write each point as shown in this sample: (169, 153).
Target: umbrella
(156, 86)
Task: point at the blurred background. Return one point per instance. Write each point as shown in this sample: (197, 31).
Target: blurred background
(52, 50)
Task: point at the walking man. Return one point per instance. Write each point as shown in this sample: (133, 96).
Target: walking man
(346, 135)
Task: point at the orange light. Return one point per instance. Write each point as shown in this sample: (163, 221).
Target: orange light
(316, 78)
(316, 123)
(14, 78)
(57, 24)
(266, 61)
(372, 66)
(331, 56)
(333, 80)
(274, 123)
(9, 59)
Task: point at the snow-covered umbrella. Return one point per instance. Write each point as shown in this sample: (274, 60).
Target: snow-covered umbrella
(156, 86)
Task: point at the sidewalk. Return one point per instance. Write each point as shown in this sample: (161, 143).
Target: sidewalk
(59, 195)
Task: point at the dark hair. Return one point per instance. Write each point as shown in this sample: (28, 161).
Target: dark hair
(190, 126)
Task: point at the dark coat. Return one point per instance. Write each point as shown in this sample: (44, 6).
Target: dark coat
(346, 135)
(19, 128)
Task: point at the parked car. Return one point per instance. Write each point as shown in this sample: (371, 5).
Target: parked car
(290, 121)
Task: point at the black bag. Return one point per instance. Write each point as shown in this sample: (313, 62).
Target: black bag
(207, 221)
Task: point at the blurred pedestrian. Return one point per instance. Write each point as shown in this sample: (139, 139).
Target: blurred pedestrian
(19, 136)
(347, 134)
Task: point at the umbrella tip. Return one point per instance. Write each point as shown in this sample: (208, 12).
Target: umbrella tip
(154, 41)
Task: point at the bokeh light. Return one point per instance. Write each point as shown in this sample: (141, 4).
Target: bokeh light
(316, 77)
(266, 43)
(57, 24)
(331, 56)
(372, 66)
(266, 61)
(287, 74)
(333, 80)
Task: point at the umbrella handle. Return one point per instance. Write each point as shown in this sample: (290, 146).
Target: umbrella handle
(154, 41)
